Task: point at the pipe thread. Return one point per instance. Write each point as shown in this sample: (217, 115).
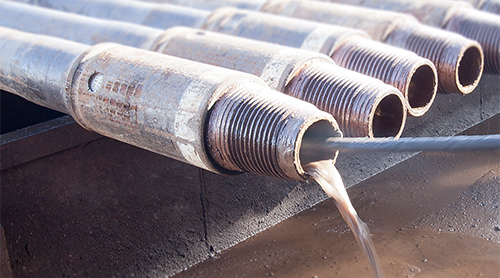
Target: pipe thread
(414, 76)
(458, 60)
(362, 106)
(491, 6)
(258, 130)
(485, 29)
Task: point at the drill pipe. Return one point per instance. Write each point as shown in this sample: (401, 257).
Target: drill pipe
(374, 109)
(414, 76)
(217, 119)
(491, 6)
(459, 61)
(458, 17)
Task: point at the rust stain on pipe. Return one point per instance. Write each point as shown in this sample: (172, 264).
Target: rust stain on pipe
(348, 47)
(276, 65)
(454, 16)
(161, 103)
(459, 64)
(450, 53)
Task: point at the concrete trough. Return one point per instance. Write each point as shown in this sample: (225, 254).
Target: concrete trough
(75, 203)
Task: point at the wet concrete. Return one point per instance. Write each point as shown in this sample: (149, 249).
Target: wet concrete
(434, 215)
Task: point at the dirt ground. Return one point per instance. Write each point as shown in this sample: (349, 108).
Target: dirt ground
(434, 215)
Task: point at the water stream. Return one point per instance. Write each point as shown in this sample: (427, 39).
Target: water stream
(325, 173)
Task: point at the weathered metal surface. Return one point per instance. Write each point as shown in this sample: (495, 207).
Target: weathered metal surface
(155, 15)
(413, 75)
(393, 66)
(491, 6)
(483, 27)
(262, 133)
(364, 108)
(119, 92)
(355, 100)
(459, 61)
(87, 30)
(455, 16)
(328, 88)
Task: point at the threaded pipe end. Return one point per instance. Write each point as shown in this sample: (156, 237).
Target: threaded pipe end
(252, 128)
(459, 61)
(414, 76)
(492, 6)
(483, 28)
(363, 106)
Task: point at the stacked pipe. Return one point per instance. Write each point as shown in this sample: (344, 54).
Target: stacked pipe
(491, 6)
(121, 92)
(221, 119)
(413, 75)
(396, 28)
(459, 60)
(363, 106)
(458, 17)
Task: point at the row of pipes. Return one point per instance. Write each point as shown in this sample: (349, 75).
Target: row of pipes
(239, 85)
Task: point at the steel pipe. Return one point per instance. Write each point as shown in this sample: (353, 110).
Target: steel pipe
(165, 104)
(458, 17)
(415, 76)
(491, 6)
(366, 114)
(459, 61)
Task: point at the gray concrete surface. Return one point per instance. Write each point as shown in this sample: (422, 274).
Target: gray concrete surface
(109, 209)
(434, 215)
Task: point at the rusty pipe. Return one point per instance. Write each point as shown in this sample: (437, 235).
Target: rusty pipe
(458, 17)
(414, 76)
(214, 118)
(361, 105)
(162, 16)
(459, 61)
(491, 6)
(394, 66)
(276, 65)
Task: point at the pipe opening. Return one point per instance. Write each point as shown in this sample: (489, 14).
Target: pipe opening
(317, 132)
(422, 87)
(470, 66)
(389, 117)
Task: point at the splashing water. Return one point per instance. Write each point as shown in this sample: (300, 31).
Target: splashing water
(325, 173)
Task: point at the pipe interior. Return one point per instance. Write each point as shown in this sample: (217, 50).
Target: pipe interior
(317, 132)
(469, 68)
(422, 87)
(389, 117)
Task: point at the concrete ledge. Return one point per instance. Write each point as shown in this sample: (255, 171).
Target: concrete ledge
(109, 209)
